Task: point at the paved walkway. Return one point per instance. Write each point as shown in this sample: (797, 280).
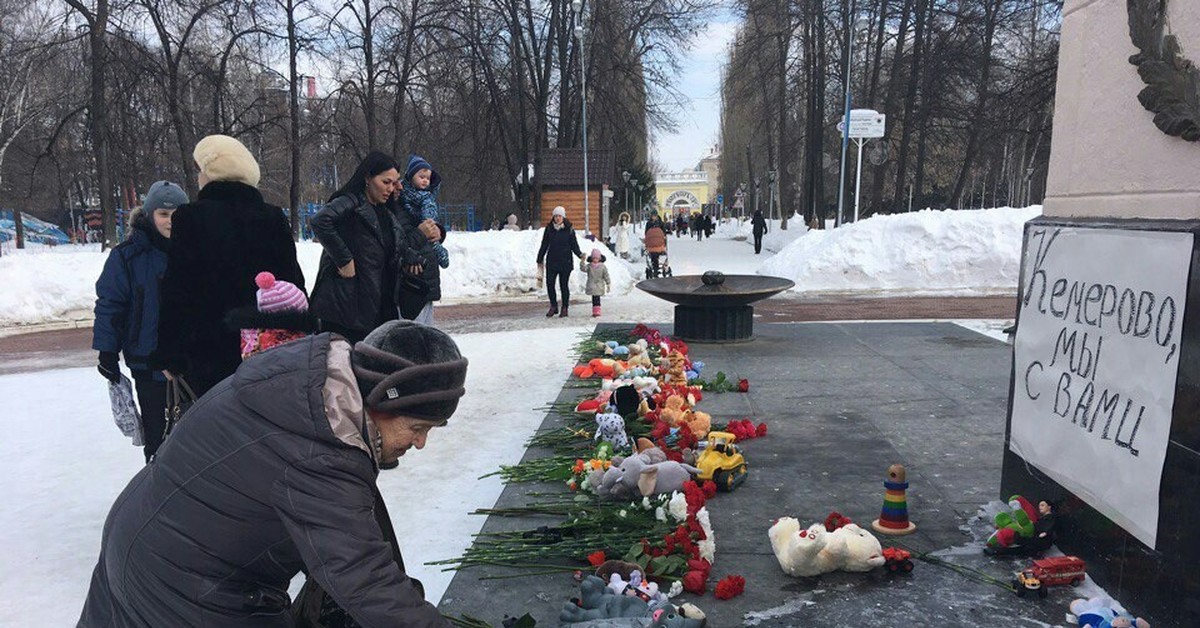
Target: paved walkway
(843, 401)
(69, 348)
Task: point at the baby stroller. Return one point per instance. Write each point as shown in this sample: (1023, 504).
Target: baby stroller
(663, 269)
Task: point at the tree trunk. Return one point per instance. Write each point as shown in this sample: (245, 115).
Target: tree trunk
(975, 124)
(914, 77)
(294, 119)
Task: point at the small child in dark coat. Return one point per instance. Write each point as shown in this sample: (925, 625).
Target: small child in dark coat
(421, 187)
(127, 300)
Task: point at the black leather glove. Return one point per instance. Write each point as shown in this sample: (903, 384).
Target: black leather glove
(109, 367)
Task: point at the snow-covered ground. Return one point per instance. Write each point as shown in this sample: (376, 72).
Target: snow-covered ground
(64, 462)
(930, 252)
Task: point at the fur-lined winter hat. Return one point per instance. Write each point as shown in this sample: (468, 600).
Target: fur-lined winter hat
(223, 158)
(408, 369)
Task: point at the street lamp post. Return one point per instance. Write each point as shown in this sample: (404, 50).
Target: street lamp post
(856, 24)
(625, 176)
(577, 5)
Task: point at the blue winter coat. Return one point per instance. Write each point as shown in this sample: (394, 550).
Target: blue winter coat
(423, 205)
(127, 299)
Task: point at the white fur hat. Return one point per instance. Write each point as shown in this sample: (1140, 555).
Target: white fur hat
(223, 158)
(559, 211)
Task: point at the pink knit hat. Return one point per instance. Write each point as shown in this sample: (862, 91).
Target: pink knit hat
(278, 296)
(596, 255)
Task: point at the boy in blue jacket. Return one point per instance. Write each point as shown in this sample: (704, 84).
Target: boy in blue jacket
(127, 300)
(419, 198)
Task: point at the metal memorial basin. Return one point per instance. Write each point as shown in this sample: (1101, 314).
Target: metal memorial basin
(735, 290)
(715, 307)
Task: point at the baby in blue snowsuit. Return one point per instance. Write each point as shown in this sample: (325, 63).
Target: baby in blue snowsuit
(419, 197)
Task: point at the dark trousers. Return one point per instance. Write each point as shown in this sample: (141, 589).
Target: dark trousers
(758, 242)
(596, 300)
(563, 277)
(152, 400)
(654, 262)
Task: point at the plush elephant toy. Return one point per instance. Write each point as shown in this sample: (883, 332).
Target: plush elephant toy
(599, 607)
(643, 474)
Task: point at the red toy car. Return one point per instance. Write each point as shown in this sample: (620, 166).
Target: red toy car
(897, 560)
(1059, 570)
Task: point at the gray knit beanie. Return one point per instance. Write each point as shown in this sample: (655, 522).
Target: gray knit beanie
(410, 369)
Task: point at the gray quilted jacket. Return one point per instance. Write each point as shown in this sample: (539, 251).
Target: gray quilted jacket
(268, 474)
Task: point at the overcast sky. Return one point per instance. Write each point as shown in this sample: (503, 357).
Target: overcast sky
(700, 81)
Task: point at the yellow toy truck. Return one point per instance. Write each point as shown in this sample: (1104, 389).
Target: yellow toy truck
(721, 461)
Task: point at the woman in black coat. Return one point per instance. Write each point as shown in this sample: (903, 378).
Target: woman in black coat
(218, 244)
(363, 241)
(554, 257)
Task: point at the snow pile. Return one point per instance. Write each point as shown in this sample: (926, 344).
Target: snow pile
(49, 283)
(939, 252)
(499, 263)
(55, 284)
(489, 264)
(774, 241)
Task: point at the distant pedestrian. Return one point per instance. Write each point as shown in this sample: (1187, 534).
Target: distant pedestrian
(709, 225)
(598, 283)
(655, 241)
(697, 229)
(554, 258)
(681, 224)
(127, 302)
(219, 243)
(621, 234)
(758, 226)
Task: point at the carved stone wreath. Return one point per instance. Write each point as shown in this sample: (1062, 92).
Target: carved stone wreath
(1172, 91)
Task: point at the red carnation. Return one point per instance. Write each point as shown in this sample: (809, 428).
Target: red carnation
(761, 430)
(836, 520)
(699, 564)
(709, 488)
(730, 587)
(694, 582)
(597, 558)
(743, 385)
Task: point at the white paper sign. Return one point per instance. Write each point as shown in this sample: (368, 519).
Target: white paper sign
(1097, 355)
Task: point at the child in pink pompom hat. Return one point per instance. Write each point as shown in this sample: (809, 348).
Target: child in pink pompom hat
(597, 278)
(281, 316)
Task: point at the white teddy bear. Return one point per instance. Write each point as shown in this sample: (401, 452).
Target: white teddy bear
(814, 551)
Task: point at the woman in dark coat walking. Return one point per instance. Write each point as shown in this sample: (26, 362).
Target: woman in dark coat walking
(356, 283)
(554, 257)
(218, 244)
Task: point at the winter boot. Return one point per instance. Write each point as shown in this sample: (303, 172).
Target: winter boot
(563, 313)
(553, 310)
(595, 310)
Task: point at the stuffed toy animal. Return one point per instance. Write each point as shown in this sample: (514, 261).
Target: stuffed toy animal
(647, 385)
(626, 399)
(863, 551)
(610, 428)
(1016, 526)
(643, 474)
(814, 551)
(1104, 612)
(698, 422)
(598, 607)
(672, 411)
(802, 552)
